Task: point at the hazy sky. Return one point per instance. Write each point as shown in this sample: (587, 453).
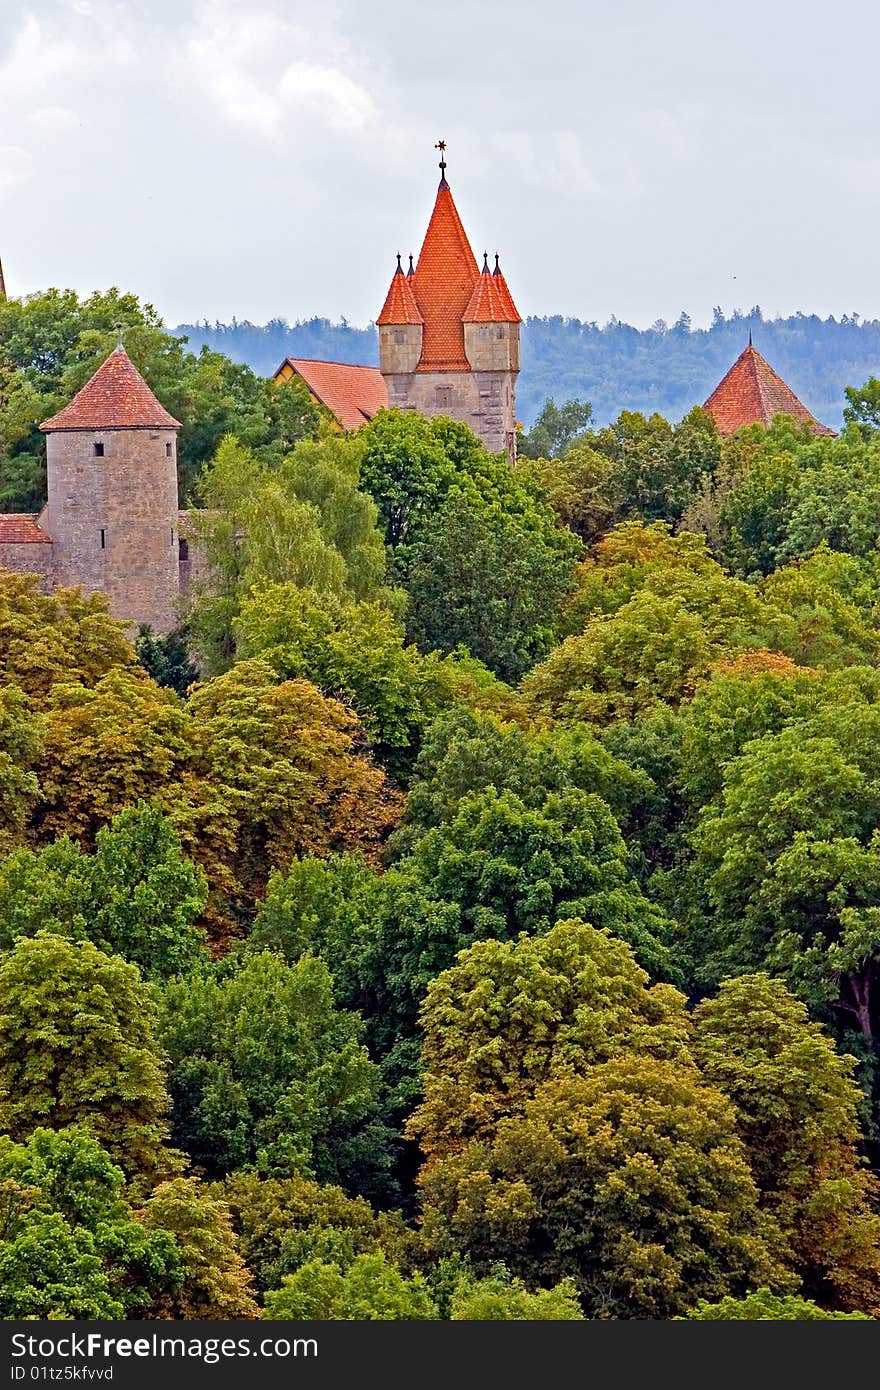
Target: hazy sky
(268, 157)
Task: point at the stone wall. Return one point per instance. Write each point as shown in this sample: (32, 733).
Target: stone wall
(485, 401)
(112, 515)
(400, 347)
(30, 557)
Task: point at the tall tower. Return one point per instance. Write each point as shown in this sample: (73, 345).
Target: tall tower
(449, 333)
(111, 458)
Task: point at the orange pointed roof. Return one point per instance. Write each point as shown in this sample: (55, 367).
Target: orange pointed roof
(445, 276)
(752, 393)
(400, 305)
(491, 301)
(115, 398)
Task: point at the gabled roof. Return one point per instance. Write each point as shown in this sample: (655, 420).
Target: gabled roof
(491, 301)
(115, 398)
(20, 528)
(400, 305)
(752, 393)
(353, 394)
(445, 276)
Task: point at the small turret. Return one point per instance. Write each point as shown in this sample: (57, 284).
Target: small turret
(400, 328)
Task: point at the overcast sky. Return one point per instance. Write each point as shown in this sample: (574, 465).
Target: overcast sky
(268, 157)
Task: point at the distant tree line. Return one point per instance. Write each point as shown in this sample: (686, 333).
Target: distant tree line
(665, 368)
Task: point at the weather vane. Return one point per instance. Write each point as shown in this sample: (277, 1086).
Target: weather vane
(118, 327)
(441, 146)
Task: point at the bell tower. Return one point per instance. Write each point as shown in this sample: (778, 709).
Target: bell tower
(449, 333)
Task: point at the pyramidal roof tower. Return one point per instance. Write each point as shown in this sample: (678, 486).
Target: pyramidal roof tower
(112, 510)
(449, 332)
(115, 398)
(752, 393)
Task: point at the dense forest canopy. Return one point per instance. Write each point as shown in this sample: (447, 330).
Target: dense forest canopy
(472, 910)
(667, 368)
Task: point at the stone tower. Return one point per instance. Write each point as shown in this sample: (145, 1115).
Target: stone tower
(449, 333)
(112, 515)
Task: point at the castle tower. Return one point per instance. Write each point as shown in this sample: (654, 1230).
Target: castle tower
(449, 334)
(112, 495)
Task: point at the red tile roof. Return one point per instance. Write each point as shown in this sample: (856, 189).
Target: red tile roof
(445, 277)
(115, 398)
(20, 528)
(491, 301)
(752, 393)
(400, 305)
(353, 394)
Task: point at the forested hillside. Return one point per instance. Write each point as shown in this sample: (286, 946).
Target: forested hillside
(472, 911)
(665, 368)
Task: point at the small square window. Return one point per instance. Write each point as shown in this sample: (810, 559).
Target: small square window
(99, 451)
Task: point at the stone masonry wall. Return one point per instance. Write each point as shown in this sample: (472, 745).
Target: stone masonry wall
(30, 558)
(113, 519)
(483, 400)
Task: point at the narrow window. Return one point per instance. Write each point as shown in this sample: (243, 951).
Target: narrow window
(99, 451)
(168, 450)
(184, 551)
(103, 539)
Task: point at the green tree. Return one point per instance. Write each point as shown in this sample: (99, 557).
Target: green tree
(630, 1180)
(556, 431)
(483, 579)
(283, 1223)
(370, 1290)
(577, 485)
(863, 407)
(508, 1016)
(355, 650)
(20, 741)
(501, 1299)
(60, 638)
(136, 896)
(657, 467)
(277, 770)
(216, 1283)
(465, 751)
(265, 1071)
(788, 858)
(166, 659)
(78, 1045)
(764, 1306)
(105, 747)
(797, 1108)
(70, 1245)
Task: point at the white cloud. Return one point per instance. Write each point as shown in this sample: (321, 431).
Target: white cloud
(241, 60)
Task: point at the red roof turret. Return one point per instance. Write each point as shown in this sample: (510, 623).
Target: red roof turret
(400, 305)
(752, 393)
(491, 301)
(115, 398)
